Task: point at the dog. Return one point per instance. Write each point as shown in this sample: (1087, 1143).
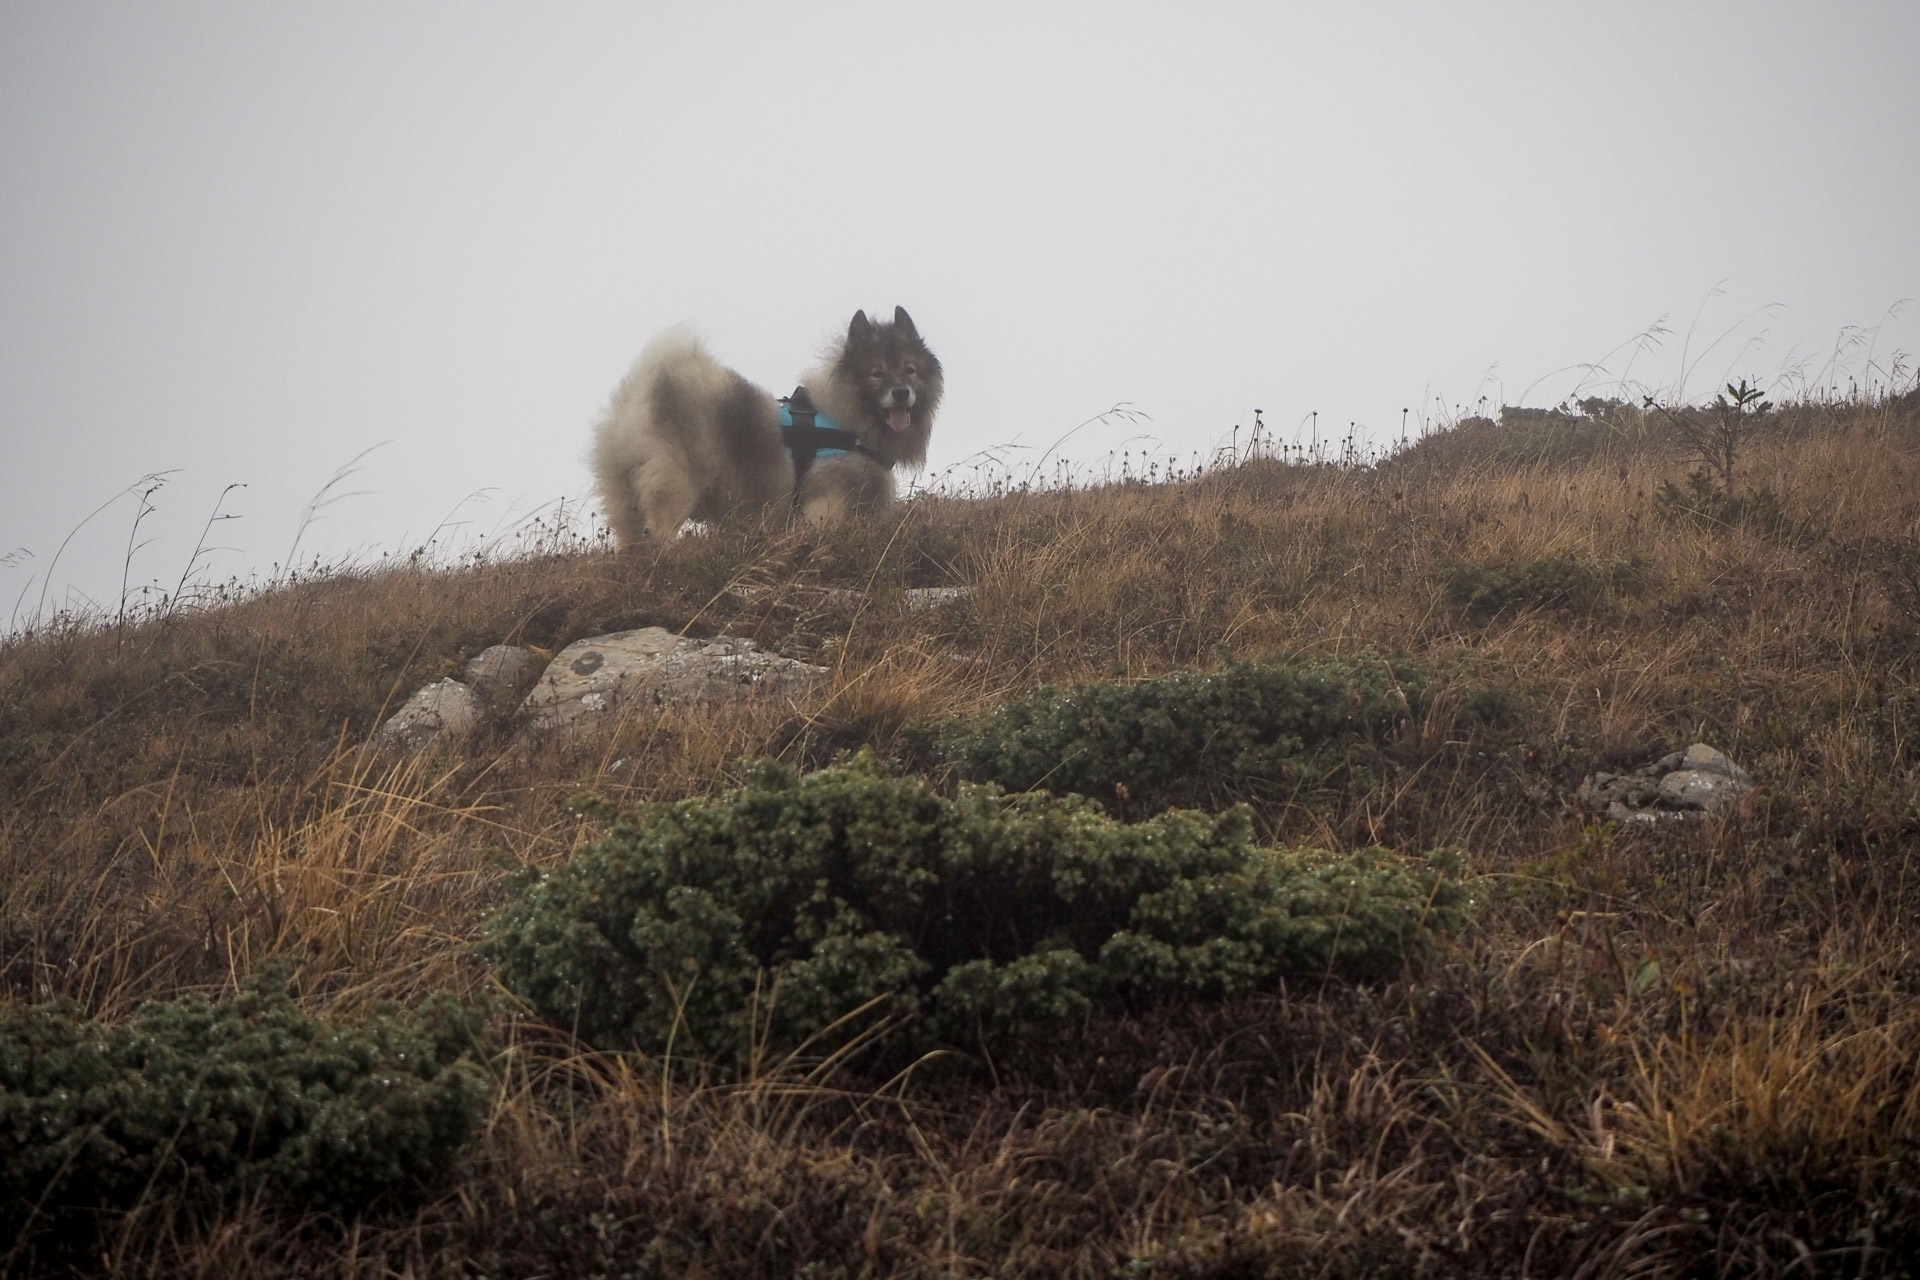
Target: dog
(686, 438)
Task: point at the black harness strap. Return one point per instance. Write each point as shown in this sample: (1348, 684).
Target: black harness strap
(805, 439)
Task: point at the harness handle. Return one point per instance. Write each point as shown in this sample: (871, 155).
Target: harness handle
(800, 408)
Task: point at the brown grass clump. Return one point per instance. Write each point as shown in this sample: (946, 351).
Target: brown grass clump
(1677, 1050)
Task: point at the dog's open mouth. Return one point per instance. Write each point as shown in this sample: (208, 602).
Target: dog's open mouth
(899, 419)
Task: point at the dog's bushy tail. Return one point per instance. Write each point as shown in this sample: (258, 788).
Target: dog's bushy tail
(628, 434)
(670, 347)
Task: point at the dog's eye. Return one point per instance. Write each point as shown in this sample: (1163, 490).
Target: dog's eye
(876, 372)
(912, 372)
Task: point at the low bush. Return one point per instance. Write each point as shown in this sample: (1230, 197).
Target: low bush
(756, 922)
(205, 1102)
(1484, 592)
(1568, 434)
(1896, 563)
(1194, 739)
(1700, 504)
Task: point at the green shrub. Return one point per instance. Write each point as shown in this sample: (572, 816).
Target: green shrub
(754, 921)
(1896, 562)
(1194, 739)
(1563, 435)
(1701, 505)
(1717, 434)
(207, 1101)
(1554, 582)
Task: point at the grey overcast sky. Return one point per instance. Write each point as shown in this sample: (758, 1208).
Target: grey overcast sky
(244, 242)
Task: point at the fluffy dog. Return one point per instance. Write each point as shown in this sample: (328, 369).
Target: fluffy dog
(685, 437)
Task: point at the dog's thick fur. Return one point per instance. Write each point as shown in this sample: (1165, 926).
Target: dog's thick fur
(687, 438)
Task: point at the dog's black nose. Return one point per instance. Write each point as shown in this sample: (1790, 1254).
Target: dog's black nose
(902, 395)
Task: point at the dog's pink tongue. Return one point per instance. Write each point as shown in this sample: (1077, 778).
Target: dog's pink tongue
(899, 420)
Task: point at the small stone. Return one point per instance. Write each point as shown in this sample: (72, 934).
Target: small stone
(920, 599)
(1698, 789)
(500, 668)
(445, 708)
(1704, 759)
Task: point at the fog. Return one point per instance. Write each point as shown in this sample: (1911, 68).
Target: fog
(245, 245)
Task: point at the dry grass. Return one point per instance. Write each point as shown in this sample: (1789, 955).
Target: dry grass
(1678, 1051)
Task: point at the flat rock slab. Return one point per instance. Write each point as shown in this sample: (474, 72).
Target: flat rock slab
(591, 680)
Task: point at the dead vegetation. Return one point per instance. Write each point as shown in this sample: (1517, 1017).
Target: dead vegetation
(1684, 1050)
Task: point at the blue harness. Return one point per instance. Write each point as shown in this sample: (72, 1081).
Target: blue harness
(809, 435)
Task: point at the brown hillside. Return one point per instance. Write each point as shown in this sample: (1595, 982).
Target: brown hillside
(1677, 1050)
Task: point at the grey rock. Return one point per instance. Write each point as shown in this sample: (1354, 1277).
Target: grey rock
(1619, 812)
(443, 709)
(920, 599)
(594, 679)
(1704, 759)
(1679, 785)
(1698, 789)
(500, 669)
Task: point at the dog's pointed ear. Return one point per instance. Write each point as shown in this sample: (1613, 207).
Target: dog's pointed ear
(860, 332)
(903, 324)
